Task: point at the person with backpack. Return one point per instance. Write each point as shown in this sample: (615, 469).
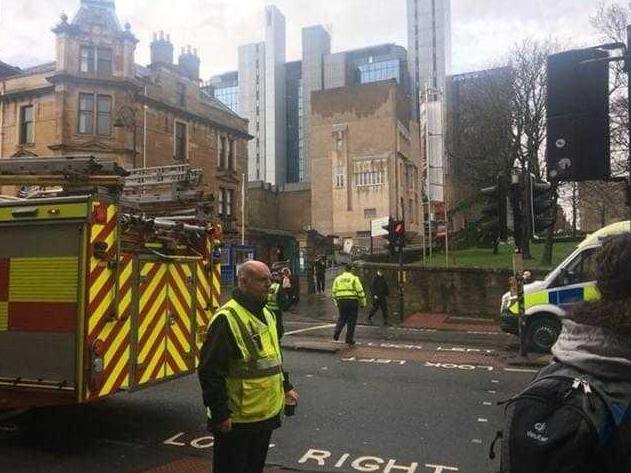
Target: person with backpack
(575, 416)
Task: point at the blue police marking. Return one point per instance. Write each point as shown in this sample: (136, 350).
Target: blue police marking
(566, 296)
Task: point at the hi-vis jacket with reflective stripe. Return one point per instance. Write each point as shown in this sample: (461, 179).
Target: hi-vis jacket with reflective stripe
(348, 286)
(254, 382)
(272, 298)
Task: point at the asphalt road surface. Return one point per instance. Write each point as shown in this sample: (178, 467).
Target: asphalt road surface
(384, 406)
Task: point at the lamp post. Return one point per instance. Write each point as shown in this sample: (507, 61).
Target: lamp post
(126, 118)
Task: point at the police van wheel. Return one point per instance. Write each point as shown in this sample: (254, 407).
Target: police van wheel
(543, 333)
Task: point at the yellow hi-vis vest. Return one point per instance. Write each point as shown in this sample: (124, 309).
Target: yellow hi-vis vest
(272, 298)
(254, 382)
(348, 286)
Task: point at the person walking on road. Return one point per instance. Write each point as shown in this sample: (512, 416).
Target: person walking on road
(348, 294)
(243, 385)
(380, 291)
(320, 274)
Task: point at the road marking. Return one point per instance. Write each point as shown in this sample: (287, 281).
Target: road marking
(482, 419)
(369, 463)
(520, 370)
(495, 381)
(478, 441)
(475, 332)
(465, 350)
(310, 329)
(487, 403)
(492, 392)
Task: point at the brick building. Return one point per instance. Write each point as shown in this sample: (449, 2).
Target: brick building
(94, 99)
(365, 159)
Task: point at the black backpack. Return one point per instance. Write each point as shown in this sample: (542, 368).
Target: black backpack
(561, 424)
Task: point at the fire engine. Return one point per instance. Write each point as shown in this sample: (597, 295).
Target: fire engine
(108, 278)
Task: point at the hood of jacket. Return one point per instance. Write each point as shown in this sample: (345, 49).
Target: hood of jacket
(596, 338)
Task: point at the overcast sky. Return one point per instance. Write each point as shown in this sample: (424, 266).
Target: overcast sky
(482, 30)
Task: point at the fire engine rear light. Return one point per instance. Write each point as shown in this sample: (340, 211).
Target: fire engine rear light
(99, 214)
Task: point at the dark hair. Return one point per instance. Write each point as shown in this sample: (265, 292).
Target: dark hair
(613, 268)
(348, 267)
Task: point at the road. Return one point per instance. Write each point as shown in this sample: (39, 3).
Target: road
(400, 401)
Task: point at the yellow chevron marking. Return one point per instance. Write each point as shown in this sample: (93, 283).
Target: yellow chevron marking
(158, 331)
(4, 316)
(177, 332)
(123, 360)
(101, 310)
(99, 283)
(179, 361)
(151, 366)
(121, 338)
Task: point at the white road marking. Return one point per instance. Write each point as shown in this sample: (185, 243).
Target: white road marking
(478, 441)
(520, 370)
(482, 419)
(310, 329)
(487, 403)
(492, 392)
(495, 381)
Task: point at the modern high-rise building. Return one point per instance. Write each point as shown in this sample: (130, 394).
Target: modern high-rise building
(275, 107)
(276, 97)
(429, 53)
(429, 44)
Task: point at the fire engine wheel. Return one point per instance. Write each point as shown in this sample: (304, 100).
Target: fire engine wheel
(543, 333)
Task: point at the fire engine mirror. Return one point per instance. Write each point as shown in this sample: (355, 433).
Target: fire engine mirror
(99, 249)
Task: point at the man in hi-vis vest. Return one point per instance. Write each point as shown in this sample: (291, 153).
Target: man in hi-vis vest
(243, 384)
(348, 294)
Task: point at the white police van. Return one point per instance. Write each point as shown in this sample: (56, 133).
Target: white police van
(547, 301)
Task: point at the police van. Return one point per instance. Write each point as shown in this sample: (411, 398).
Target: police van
(546, 301)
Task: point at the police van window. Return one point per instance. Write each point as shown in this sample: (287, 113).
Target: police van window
(579, 270)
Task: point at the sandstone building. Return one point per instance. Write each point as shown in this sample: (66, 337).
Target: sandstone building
(94, 99)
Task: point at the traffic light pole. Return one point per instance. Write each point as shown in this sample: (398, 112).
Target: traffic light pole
(518, 258)
(401, 297)
(628, 70)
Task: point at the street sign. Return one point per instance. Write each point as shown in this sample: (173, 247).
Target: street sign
(376, 226)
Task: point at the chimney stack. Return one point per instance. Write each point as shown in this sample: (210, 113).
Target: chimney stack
(161, 49)
(189, 63)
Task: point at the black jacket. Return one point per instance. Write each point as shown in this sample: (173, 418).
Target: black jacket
(218, 350)
(379, 287)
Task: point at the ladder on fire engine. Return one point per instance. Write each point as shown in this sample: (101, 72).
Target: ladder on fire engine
(153, 185)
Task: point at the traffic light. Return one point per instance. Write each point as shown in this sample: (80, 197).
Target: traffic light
(542, 205)
(577, 112)
(398, 234)
(389, 236)
(493, 222)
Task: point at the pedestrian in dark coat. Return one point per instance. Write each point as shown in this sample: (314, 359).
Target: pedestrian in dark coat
(380, 292)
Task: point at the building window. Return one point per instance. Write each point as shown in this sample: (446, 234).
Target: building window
(339, 175)
(180, 141)
(180, 93)
(224, 202)
(228, 202)
(99, 60)
(87, 60)
(231, 155)
(104, 62)
(221, 159)
(26, 124)
(369, 178)
(86, 113)
(104, 115)
(370, 213)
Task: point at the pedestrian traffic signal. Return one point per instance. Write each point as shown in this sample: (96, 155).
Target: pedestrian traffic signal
(577, 110)
(542, 201)
(493, 222)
